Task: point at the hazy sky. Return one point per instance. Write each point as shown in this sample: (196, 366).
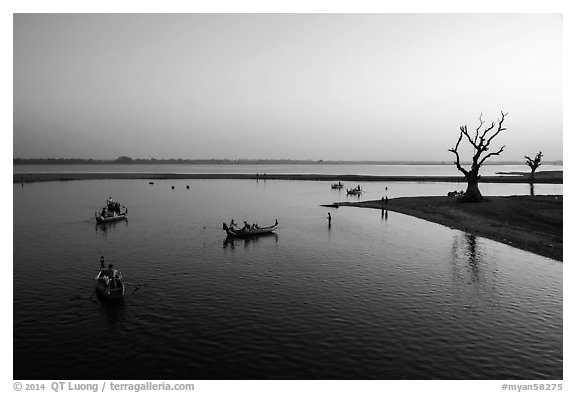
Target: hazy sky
(299, 86)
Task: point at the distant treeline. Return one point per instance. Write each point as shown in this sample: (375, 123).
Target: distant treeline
(180, 161)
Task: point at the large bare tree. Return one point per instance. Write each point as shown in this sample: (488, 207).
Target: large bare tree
(534, 163)
(480, 142)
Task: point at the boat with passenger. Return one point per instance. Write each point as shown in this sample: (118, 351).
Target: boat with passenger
(247, 229)
(112, 212)
(109, 282)
(337, 186)
(354, 191)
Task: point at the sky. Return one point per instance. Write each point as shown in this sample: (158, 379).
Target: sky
(284, 86)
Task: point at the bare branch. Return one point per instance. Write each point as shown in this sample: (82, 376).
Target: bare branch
(490, 155)
(534, 163)
(478, 129)
(464, 130)
(455, 151)
(482, 138)
(500, 128)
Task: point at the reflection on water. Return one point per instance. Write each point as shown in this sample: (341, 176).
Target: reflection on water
(113, 312)
(384, 215)
(232, 241)
(109, 226)
(472, 274)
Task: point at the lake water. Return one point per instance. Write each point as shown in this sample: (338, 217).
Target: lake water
(373, 296)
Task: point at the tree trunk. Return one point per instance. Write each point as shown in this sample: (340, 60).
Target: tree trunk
(472, 193)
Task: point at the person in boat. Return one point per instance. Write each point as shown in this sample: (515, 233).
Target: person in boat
(103, 212)
(233, 224)
(246, 226)
(112, 276)
(358, 188)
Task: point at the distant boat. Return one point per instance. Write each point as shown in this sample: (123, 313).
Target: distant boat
(354, 191)
(112, 288)
(249, 232)
(337, 186)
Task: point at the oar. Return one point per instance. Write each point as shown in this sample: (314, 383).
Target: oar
(137, 286)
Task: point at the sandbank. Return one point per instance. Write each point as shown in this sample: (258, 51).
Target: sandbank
(531, 223)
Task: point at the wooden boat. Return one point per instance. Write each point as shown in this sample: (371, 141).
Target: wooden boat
(337, 186)
(354, 191)
(110, 217)
(249, 232)
(112, 288)
(112, 212)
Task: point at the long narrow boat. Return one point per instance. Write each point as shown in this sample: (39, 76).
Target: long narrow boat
(249, 232)
(109, 284)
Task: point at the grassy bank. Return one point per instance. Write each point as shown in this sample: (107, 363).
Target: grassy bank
(531, 223)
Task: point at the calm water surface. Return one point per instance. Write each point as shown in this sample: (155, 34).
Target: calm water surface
(383, 296)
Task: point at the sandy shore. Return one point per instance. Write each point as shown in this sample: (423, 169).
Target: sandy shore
(531, 223)
(548, 177)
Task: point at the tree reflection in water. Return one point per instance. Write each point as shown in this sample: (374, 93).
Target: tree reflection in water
(470, 270)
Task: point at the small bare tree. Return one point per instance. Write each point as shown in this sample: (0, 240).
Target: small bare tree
(480, 142)
(534, 163)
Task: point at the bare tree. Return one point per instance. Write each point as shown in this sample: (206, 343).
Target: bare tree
(480, 142)
(534, 163)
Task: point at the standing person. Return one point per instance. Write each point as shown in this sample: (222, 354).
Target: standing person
(329, 219)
